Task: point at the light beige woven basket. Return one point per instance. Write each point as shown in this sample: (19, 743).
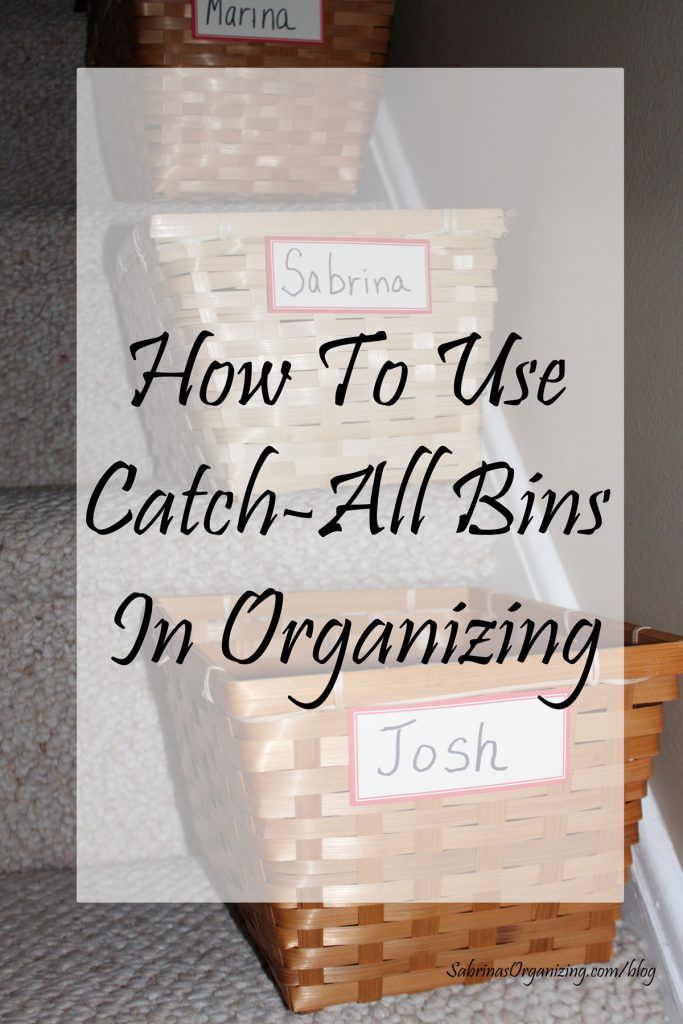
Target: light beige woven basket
(236, 132)
(286, 795)
(216, 123)
(183, 274)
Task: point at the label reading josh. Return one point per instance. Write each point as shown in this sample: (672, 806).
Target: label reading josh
(504, 741)
(337, 275)
(290, 21)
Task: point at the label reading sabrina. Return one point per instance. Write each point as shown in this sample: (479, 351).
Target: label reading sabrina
(336, 275)
(290, 21)
(481, 744)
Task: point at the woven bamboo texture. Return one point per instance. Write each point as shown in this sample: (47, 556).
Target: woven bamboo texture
(236, 133)
(158, 33)
(181, 274)
(291, 798)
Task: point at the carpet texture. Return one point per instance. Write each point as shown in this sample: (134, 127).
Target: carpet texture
(65, 963)
(37, 269)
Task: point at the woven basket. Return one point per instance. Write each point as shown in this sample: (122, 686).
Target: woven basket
(236, 133)
(159, 33)
(183, 274)
(251, 134)
(322, 955)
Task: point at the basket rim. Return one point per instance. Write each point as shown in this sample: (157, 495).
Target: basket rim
(646, 654)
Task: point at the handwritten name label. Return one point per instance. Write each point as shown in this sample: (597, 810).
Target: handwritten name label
(505, 741)
(290, 21)
(335, 275)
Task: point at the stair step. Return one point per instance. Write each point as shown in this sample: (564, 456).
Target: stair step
(42, 45)
(38, 535)
(38, 543)
(38, 137)
(44, 36)
(37, 243)
(38, 309)
(37, 744)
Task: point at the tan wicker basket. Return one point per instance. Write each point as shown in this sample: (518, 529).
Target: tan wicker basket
(159, 33)
(236, 132)
(319, 954)
(183, 274)
(248, 132)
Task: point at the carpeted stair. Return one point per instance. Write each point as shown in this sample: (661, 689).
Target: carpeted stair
(65, 963)
(41, 46)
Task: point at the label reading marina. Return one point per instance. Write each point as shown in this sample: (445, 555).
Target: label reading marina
(335, 275)
(290, 21)
(461, 746)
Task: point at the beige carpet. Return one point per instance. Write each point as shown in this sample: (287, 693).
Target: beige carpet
(65, 963)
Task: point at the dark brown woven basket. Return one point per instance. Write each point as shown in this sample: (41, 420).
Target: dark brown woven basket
(159, 33)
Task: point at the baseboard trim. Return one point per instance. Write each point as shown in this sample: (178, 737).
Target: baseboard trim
(657, 878)
(543, 568)
(394, 169)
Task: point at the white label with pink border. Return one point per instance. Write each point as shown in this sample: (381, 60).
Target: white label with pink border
(468, 745)
(338, 275)
(289, 21)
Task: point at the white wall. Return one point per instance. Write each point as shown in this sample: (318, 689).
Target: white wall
(643, 37)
